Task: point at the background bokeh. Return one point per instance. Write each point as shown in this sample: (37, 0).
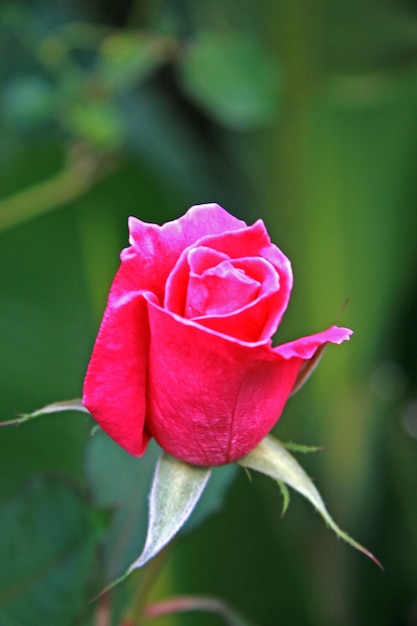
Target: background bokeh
(301, 113)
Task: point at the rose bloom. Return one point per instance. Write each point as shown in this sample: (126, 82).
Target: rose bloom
(184, 352)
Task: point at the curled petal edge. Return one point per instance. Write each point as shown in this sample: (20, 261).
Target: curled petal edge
(305, 347)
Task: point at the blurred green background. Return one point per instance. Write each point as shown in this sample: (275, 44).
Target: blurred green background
(302, 113)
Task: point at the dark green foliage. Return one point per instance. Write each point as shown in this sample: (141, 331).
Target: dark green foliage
(47, 541)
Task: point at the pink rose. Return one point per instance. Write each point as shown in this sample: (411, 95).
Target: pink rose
(184, 352)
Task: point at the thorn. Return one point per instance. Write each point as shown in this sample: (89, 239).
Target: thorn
(342, 308)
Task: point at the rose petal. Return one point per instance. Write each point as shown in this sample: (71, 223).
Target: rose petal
(208, 397)
(228, 284)
(211, 399)
(115, 384)
(257, 323)
(218, 288)
(250, 322)
(256, 320)
(177, 283)
(219, 291)
(155, 249)
(305, 347)
(254, 241)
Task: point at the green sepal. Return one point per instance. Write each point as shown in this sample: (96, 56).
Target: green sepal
(55, 407)
(270, 457)
(285, 496)
(176, 489)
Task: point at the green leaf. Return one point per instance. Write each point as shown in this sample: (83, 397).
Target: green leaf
(47, 540)
(232, 78)
(271, 458)
(127, 58)
(56, 407)
(27, 101)
(176, 489)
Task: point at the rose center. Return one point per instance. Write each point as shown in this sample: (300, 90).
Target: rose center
(219, 290)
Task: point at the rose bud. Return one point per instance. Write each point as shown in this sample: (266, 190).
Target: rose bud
(184, 352)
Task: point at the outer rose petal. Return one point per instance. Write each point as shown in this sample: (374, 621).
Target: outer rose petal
(115, 385)
(306, 346)
(211, 399)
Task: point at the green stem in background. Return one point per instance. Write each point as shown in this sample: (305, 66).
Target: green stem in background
(301, 216)
(58, 190)
(146, 582)
(309, 163)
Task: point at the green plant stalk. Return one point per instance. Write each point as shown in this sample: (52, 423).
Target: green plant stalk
(53, 193)
(292, 163)
(146, 582)
(310, 194)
